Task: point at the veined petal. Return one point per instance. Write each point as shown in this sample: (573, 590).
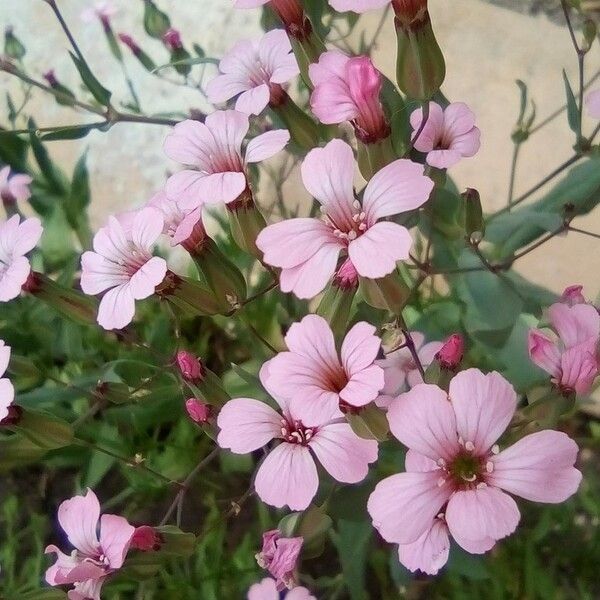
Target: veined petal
(430, 552)
(117, 308)
(115, 537)
(78, 517)
(266, 144)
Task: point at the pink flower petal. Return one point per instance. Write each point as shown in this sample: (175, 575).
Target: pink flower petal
(484, 405)
(267, 588)
(575, 324)
(228, 128)
(538, 467)
(432, 131)
(146, 228)
(398, 187)
(253, 102)
(403, 506)
(483, 513)
(144, 281)
(13, 278)
(187, 143)
(7, 395)
(4, 357)
(544, 352)
(246, 425)
(430, 552)
(357, 6)
(443, 159)
(78, 517)
(363, 386)
(287, 477)
(423, 420)
(117, 308)
(459, 119)
(115, 537)
(223, 87)
(579, 367)
(415, 462)
(360, 348)
(266, 144)
(191, 189)
(342, 453)
(374, 253)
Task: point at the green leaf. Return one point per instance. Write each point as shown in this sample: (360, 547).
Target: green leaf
(100, 93)
(45, 594)
(79, 196)
(50, 173)
(13, 150)
(352, 541)
(572, 110)
(193, 60)
(72, 132)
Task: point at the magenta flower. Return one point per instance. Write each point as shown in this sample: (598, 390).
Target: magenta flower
(307, 249)
(452, 351)
(288, 475)
(267, 590)
(279, 555)
(94, 557)
(213, 152)
(313, 378)
(254, 71)
(400, 369)
(572, 358)
(16, 240)
(347, 89)
(122, 263)
(448, 135)
(592, 102)
(14, 188)
(455, 471)
(7, 391)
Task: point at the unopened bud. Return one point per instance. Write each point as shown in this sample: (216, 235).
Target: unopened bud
(198, 411)
(474, 224)
(146, 61)
(189, 366)
(146, 538)
(172, 39)
(336, 303)
(190, 296)
(246, 223)
(13, 48)
(451, 353)
(156, 22)
(50, 77)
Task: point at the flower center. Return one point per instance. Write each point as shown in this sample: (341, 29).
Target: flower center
(347, 229)
(467, 470)
(294, 432)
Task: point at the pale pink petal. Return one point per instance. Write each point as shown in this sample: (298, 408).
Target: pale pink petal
(579, 367)
(13, 278)
(191, 189)
(484, 405)
(544, 352)
(482, 513)
(443, 159)
(117, 308)
(78, 517)
(312, 337)
(287, 477)
(592, 102)
(360, 348)
(415, 462)
(28, 235)
(4, 357)
(7, 395)
(342, 453)
(146, 228)
(64, 564)
(99, 274)
(423, 420)
(189, 143)
(253, 102)
(458, 119)
(538, 467)
(432, 131)
(429, 553)
(229, 128)
(224, 87)
(328, 174)
(475, 546)
(87, 590)
(575, 324)
(467, 144)
(314, 406)
(267, 588)
(299, 593)
(246, 425)
(403, 506)
(398, 187)
(115, 537)
(364, 386)
(266, 144)
(374, 253)
(292, 242)
(146, 278)
(276, 56)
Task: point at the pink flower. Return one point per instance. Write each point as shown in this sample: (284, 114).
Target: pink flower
(347, 89)
(254, 70)
(456, 474)
(592, 102)
(400, 369)
(451, 353)
(122, 263)
(279, 556)
(572, 359)
(307, 249)
(448, 135)
(213, 151)
(14, 188)
(16, 240)
(183, 227)
(288, 475)
(146, 538)
(7, 391)
(198, 411)
(103, 10)
(267, 590)
(573, 295)
(357, 6)
(313, 378)
(94, 557)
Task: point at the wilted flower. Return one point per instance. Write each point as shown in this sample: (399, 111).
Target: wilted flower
(254, 71)
(307, 249)
(448, 135)
(279, 555)
(94, 556)
(456, 477)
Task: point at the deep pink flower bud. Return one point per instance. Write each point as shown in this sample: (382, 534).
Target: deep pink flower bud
(50, 77)
(291, 14)
(146, 538)
(572, 295)
(346, 276)
(189, 365)
(172, 39)
(279, 556)
(410, 11)
(198, 411)
(129, 42)
(451, 353)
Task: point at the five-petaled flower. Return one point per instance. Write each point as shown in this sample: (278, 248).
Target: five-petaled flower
(288, 475)
(307, 249)
(94, 556)
(16, 240)
(572, 359)
(213, 152)
(122, 263)
(254, 71)
(448, 134)
(456, 477)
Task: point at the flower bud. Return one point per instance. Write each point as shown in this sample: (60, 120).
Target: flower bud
(144, 59)
(13, 48)
(190, 296)
(336, 303)
(198, 411)
(451, 353)
(56, 85)
(303, 130)
(420, 67)
(388, 293)
(474, 224)
(156, 22)
(189, 366)
(146, 538)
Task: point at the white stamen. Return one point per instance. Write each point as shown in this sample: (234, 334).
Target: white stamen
(469, 446)
(495, 449)
(470, 478)
(356, 204)
(441, 462)
(362, 226)
(481, 485)
(461, 441)
(441, 481)
(489, 466)
(351, 235)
